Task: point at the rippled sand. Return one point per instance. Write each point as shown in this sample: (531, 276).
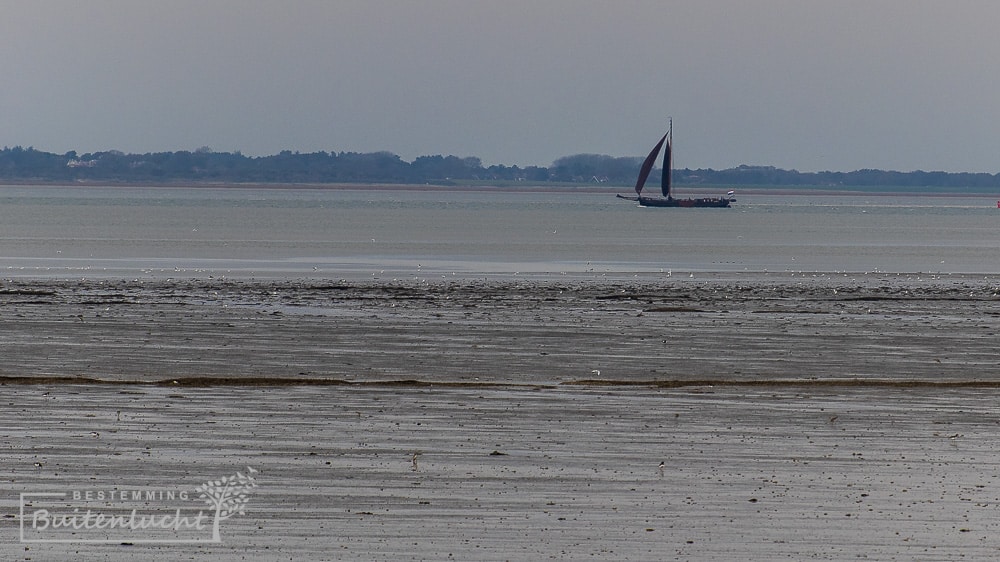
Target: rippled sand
(753, 327)
(825, 416)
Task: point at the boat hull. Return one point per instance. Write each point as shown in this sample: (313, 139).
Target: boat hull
(671, 202)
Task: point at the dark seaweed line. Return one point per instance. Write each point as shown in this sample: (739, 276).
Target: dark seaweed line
(264, 382)
(255, 382)
(790, 383)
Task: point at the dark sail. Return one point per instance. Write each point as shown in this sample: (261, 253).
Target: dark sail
(647, 166)
(668, 163)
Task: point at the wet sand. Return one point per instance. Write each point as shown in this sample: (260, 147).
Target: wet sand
(796, 416)
(707, 328)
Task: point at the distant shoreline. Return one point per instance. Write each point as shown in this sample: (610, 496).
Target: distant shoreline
(527, 188)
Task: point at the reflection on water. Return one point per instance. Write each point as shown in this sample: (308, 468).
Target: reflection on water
(290, 233)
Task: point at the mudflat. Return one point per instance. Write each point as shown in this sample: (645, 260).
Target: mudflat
(798, 416)
(740, 328)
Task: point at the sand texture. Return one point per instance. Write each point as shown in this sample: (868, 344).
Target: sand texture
(748, 328)
(795, 417)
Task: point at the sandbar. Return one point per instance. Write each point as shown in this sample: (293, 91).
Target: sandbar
(715, 417)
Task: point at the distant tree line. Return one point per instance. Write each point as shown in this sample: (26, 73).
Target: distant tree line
(771, 176)
(205, 165)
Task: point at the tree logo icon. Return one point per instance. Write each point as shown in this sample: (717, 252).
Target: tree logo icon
(228, 496)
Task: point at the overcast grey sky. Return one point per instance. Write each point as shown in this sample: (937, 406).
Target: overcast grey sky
(804, 84)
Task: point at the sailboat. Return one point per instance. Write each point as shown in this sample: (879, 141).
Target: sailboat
(667, 143)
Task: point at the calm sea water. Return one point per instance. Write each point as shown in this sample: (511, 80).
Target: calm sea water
(77, 232)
